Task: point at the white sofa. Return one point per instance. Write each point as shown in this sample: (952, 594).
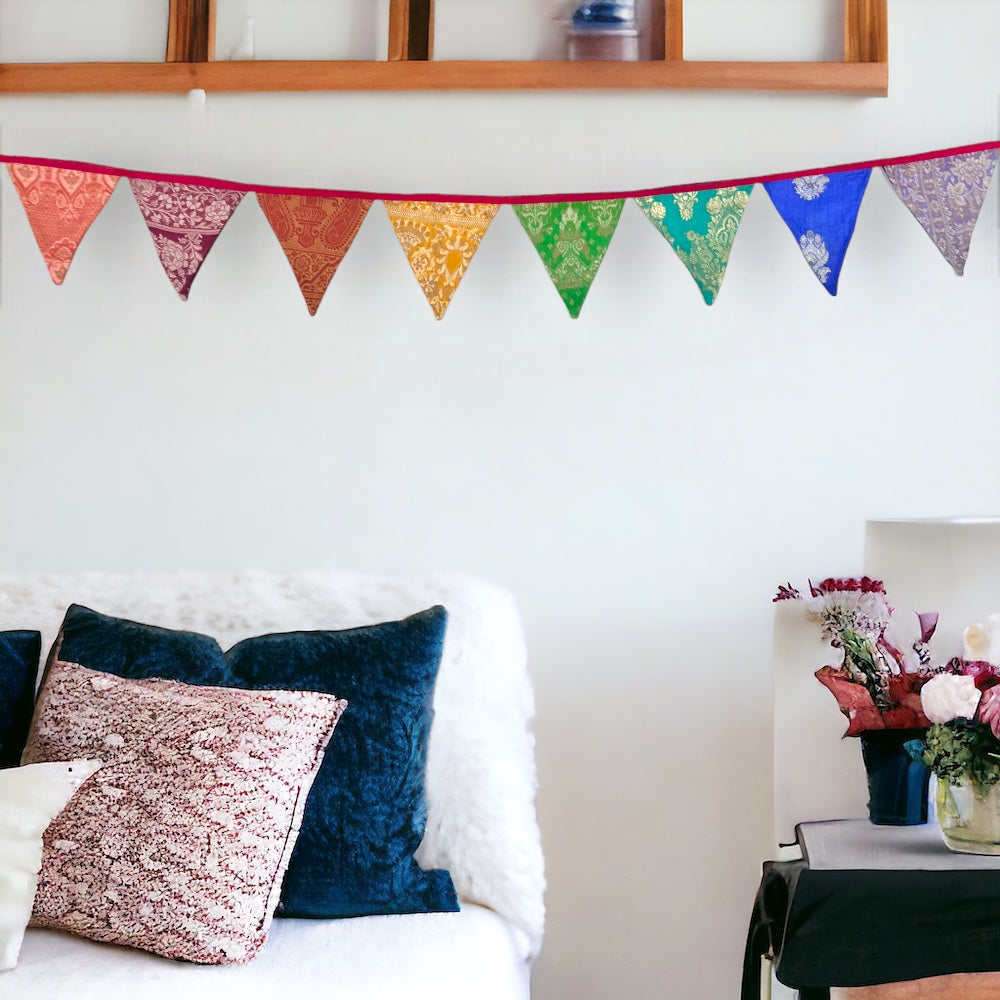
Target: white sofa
(480, 787)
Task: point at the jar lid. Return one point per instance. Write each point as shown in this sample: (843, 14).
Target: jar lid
(605, 12)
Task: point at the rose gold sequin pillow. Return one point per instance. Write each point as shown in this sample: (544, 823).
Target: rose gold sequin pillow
(179, 844)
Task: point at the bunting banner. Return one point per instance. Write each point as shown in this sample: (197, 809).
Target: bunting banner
(701, 227)
(184, 220)
(945, 196)
(439, 240)
(315, 233)
(60, 205)
(821, 210)
(945, 189)
(572, 238)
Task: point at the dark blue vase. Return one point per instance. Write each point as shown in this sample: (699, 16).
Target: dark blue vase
(897, 784)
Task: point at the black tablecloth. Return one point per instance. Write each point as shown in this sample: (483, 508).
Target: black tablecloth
(863, 927)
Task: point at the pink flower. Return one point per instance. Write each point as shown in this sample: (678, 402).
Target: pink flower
(989, 709)
(928, 623)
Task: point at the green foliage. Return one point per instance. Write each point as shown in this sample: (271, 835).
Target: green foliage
(863, 665)
(962, 750)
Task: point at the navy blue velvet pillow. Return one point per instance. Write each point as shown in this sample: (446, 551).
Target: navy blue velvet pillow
(366, 813)
(19, 652)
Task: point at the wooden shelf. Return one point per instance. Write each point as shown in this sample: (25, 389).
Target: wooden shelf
(870, 79)
(864, 70)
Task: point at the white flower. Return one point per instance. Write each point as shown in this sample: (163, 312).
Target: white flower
(949, 696)
(981, 640)
(866, 614)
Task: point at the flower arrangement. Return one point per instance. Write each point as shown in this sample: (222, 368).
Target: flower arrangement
(879, 681)
(886, 681)
(961, 748)
(962, 743)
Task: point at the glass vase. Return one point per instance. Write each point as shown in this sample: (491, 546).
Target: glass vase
(969, 817)
(897, 784)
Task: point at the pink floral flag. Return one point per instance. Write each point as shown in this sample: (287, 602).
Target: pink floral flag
(945, 196)
(184, 221)
(60, 203)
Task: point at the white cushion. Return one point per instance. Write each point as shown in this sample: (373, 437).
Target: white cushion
(30, 798)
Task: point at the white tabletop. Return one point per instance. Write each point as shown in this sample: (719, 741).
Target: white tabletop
(852, 844)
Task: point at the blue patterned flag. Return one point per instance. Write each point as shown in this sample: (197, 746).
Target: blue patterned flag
(821, 211)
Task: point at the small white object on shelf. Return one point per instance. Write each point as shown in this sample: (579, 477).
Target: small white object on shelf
(245, 49)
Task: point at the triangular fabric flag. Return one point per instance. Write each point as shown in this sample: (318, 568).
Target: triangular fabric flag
(315, 233)
(821, 210)
(701, 227)
(60, 203)
(439, 239)
(572, 238)
(184, 221)
(945, 196)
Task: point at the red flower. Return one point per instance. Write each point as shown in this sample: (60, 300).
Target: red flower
(786, 592)
(984, 673)
(866, 585)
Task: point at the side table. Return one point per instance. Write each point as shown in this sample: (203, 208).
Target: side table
(868, 905)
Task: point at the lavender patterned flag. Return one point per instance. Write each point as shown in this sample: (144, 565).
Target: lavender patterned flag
(821, 211)
(184, 221)
(945, 196)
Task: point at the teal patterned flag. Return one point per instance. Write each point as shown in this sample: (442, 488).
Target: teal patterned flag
(701, 227)
(821, 211)
(572, 238)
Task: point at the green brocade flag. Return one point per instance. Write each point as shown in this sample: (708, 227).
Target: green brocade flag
(571, 237)
(701, 227)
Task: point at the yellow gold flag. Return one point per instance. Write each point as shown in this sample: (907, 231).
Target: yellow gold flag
(439, 239)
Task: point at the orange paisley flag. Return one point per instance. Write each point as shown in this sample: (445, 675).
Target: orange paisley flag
(60, 203)
(439, 239)
(315, 233)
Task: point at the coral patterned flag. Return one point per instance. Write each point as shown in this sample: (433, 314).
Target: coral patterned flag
(60, 203)
(439, 239)
(184, 221)
(315, 233)
(572, 238)
(945, 196)
(701, 227)
(821, 210)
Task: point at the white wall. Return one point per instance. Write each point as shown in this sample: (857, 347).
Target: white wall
(642, 478)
